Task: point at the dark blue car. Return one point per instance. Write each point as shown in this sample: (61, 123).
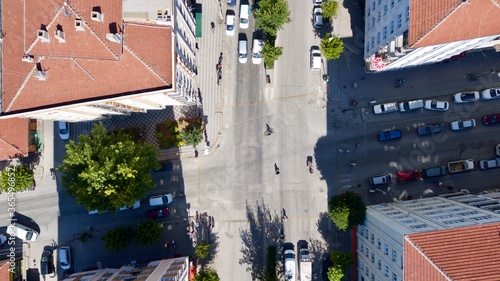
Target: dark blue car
(389, 135)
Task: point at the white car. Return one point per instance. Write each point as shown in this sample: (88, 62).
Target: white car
(63, 130)
(230, 25)
(385, 108)
(136, 205)
(489, 94)
(160, 200)
(315, 59)
(256, 51)
(466, 97)
(410, 105)
(22, 232)
(244, 16)
(64, 256)
(436, 105)
(463, 125)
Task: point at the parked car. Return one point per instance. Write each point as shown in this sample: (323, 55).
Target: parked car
(64, 256)
(491, 119)
(317, 17)
(22, 232)
(408, 175)
(466, 97)
(489, 94)
(489, 164)
(463, 125)
(136, 205)
(389, 135)
(315, 58)
(410, 105)
(3, 239)
(230, 25)
(257, 51)
(385, 108)
(382, 179)
(159, 200)
(244, 16)
(430, 129)
(436, 105)
(165, 166)
(434, 172)
(158, 213)
(243, 50)
(63, 130)
(46, 264)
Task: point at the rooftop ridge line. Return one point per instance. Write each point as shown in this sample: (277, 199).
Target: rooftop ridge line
(36, 38)
(145, 64)
(18, 93)
(422, 253)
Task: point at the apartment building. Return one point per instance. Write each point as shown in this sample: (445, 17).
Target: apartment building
(84, 60)
(176, 269)
(408, 33)
(434, 238)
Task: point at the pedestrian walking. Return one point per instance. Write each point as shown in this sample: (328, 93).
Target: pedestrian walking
(358, 145)
(212, 24)
(341, 150)
(353, 164)
(347, 151)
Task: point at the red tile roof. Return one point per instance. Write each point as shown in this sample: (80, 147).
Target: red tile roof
(436, 22)
(461, 254)
(14, 138)
(87, 66)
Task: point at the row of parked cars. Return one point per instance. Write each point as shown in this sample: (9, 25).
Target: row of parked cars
(436, 105)
(244, 23)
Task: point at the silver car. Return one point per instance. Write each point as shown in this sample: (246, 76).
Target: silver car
(385, 108)
(463, 125)
(406, 106)
(489, 94)
(466, 97)
(436, 105)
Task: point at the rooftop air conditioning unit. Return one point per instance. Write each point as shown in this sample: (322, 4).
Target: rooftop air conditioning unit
(40, 75)
(114, 37)
(27, 58)
(60, 36)
(79, 25)
(43, 36)
(97, 16)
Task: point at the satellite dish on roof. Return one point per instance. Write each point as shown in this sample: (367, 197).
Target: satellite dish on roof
(118, 37)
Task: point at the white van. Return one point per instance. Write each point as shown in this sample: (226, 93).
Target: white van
(382, 179)
(256, 51)
(315, 59)
(244, 16)
(22, 232)
(243, 51)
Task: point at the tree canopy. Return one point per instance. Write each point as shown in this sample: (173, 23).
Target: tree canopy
(105, 171)
(192, 134)
(330, 8)
(148, 232)
(332, 47)
(202, 249)
(346, 204)
(271, 53)
(271, 16)
(118, 238)
(341, 259)
(207, 275)
(335, 273)
(17, 178)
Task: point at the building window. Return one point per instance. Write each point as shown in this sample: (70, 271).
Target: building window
(385, 10)
(399, 20)
(385, 32)
(367, 252)
(386, 271)
(373, 258)
(362, 247)
(372, 238)
(367, 272)
(392, 4)
(373, 43)
(386, 249)
(394, 277)
(373, 277)
(418, 226)
(373, 21)
(379, 2)
(379, 16)
(379, 264)
(407, 14)
(369, 11)
(367, 46)
(392, 26)
(373, 5)
(394, 255)
(379, 244)
(378, 37)
(367, 233)
(361, 265)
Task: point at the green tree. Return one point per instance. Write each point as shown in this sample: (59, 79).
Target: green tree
(105, 171)
(341, 260)
(335, 273)
(118, 238)
(347, 203)
(330, 9)
(17, 178)
(192, 134)
(332, 47)
(207, 275)
(271, 53)
(271, 16)
(202, 249)
(148, 232)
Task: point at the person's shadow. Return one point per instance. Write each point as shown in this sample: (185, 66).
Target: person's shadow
(276, 169)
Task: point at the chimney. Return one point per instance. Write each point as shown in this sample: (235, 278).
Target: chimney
(79, 25)
(97, 16)
(43, 35)
(59, 34)
(40, 75)
(114, 37)
(27, 58)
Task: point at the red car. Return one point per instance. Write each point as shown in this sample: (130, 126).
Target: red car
(158, 213)
(491, 119)
(408, 175)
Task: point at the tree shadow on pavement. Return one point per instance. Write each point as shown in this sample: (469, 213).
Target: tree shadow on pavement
(323, 226)
(319, 251)
(265, 229)
(205, 233)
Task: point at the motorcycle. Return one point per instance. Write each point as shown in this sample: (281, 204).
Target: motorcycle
(310, 164)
